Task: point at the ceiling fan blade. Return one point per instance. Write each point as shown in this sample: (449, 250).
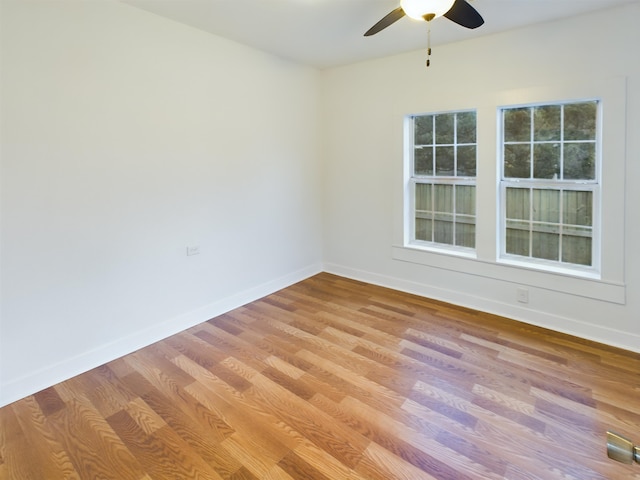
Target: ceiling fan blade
(388, 19)
(464, 14)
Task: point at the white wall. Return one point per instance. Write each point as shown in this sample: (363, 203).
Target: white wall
(363, 109)
(125, 138)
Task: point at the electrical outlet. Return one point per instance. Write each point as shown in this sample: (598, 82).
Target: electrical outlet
(193, 250)
(522, 295)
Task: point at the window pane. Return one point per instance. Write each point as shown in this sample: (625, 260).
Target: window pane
(580, 121)
(423, 161)
(424, 229)
(518, 203)
(545, 245)
(546, 205)
(443, 229)
(576, 249)
(577, 208)
(466, 199)
(423, 197)
(517, 161)
(445, 128)
(546, 121)
(517, 125)
(444, 161)
(466, 127)
(443, 198)
(546, 160)
(467, 161)
(423, 130)
(517, 238)
(579, 161)
(466, 231)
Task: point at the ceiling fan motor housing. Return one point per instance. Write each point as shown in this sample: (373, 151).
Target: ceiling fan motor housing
(458, 11)
(426, 9)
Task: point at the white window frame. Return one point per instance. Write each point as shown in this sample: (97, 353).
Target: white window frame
(412, 180)
(589, 271)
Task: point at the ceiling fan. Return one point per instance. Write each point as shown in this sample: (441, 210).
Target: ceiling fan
(458, 11)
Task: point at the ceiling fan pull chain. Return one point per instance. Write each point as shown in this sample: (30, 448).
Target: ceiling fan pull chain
(428, 44)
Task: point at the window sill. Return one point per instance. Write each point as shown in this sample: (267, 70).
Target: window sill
(586, 273)
(556, 280)
(443, 250)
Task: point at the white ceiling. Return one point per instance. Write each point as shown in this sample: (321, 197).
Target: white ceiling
(327, 33)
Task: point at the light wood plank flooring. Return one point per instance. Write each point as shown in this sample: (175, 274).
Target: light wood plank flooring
(336, 379)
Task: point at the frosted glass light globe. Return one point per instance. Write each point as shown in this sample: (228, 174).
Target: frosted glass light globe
(419, 8)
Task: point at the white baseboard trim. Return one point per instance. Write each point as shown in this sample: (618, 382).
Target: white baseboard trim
(570, 326)
(70, 367)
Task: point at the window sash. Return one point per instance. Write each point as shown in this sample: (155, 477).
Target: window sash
(567, 225)
(455, 215)
(556, 141)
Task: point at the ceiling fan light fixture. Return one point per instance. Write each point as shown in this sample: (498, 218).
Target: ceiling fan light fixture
(420, 9)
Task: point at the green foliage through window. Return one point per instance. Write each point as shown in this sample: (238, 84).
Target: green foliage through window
(550, 141)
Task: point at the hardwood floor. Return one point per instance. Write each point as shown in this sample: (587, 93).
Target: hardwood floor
(336, 379)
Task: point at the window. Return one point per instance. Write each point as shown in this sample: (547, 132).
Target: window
(442, 185)
(549, 184)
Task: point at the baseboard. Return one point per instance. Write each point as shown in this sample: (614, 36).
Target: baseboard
(570, 326)
(68, 368)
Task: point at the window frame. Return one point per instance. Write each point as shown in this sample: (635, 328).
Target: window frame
(412, 180)
(560, 185)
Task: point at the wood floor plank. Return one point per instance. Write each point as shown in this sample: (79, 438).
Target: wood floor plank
(419, 448)
(379, 463)
(243, 416)
(94, 448)
(332, 378)
(53, 460)
(14, 446)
